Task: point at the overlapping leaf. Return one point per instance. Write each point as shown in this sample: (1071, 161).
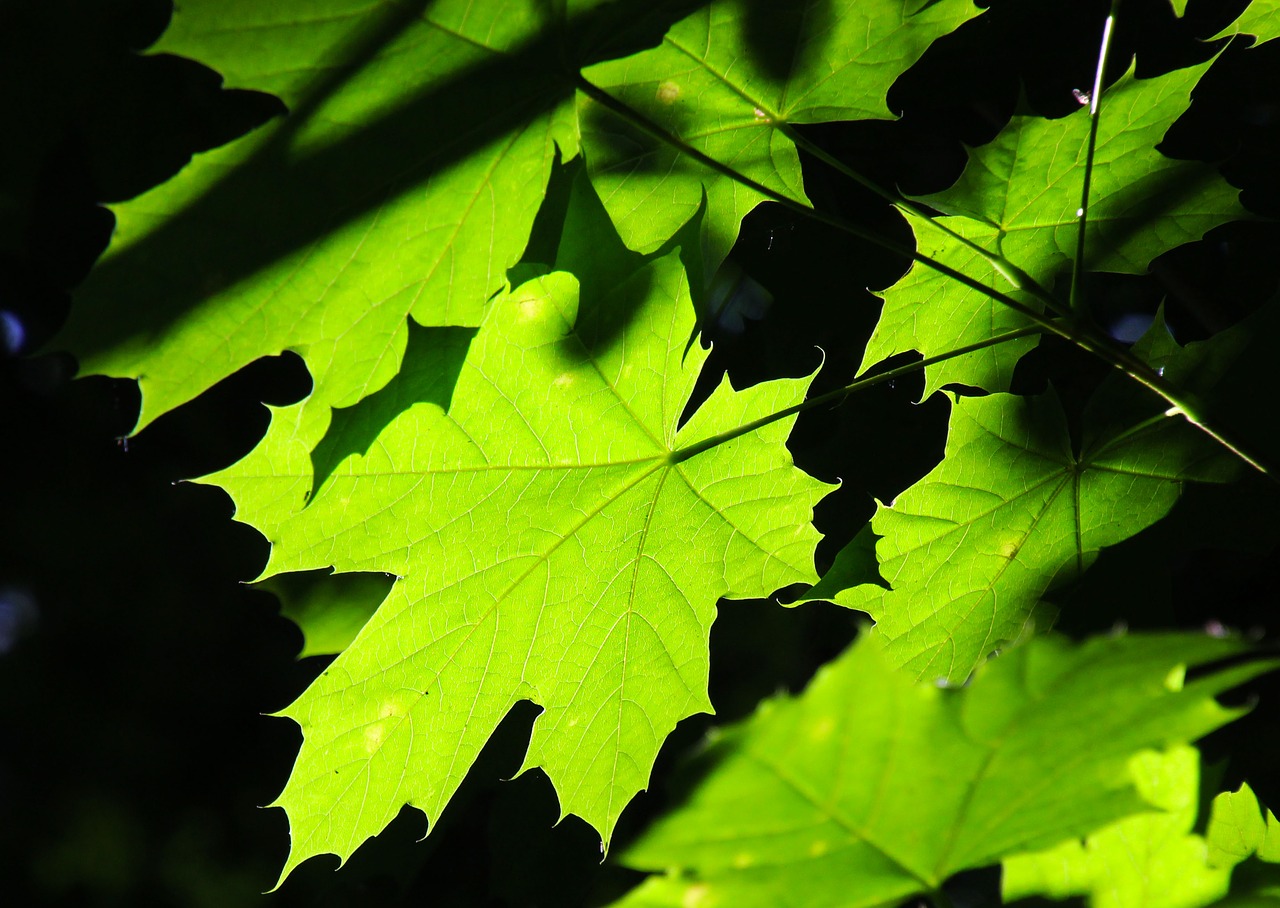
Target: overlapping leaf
(1154, 860)
(403, 183)
(1240, 828)
(1261, 19)
(724, 81)
(1018, 198)
(550, 547)
(972, 547)
(871, 788)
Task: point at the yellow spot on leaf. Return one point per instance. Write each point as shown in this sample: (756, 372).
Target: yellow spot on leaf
(668, 92)
(742, 860)
(822, 728)
(818, 848)
(529, 307)
(697, 896)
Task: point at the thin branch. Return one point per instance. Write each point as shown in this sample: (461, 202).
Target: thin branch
(1082, 213)
(1007, 269)
(840, 394)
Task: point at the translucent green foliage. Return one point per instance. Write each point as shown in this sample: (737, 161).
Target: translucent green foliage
(550, 547)
(871, 788)
(1240, 828)
(1151, 860)
(1154, 860)
(1261, 19)
(1018, 198)
(727, 81)
(971, 548)
(325, 230)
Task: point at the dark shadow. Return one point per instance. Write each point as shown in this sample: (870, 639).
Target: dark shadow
(329, 609)
(275, 204)
(612, 279)
(780, 36)
(432, 361)
(621, 145)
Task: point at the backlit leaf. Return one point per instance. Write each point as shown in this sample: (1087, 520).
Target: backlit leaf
(550, 547)
(1018, 198)
(871, 788)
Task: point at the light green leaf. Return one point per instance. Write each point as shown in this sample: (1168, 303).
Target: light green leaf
(726, 81)
(1261, 19)
(1240, 827)
(1147, 861)
(1018, 198)
(550, 547)
(402, 184)
(971, 548)
(871, 788)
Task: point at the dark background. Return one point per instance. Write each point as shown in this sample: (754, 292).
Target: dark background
(135, 664)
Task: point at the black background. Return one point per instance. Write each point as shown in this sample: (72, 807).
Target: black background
(134, 749)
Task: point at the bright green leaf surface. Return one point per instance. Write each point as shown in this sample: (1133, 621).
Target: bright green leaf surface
(1261, 18)
(870, 788)
(1147, 861)
(549, 548)
(403, 183)
(1018, 198)
(971, 548)
(1240, 827)
(724, 80)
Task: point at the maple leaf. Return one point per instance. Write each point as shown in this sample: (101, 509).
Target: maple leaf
(870, 788)
(1013, 508)
(558, 538)
(727, 81)
(1018, 199)
(403, 183)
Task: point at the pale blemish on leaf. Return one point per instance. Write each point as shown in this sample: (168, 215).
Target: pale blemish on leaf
(668, 92)
(822, 729)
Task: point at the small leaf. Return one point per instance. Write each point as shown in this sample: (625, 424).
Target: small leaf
(1240, 828)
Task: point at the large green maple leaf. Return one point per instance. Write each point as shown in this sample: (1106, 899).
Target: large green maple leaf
(558, 538)
(402, 184)
(727, 81)
(870, 788)
(1018, 198)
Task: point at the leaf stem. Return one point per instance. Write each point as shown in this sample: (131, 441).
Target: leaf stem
(1095, 114)
(1007, 269)
(839, 394)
